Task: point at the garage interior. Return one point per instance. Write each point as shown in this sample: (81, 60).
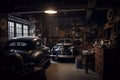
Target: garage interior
(96, 23)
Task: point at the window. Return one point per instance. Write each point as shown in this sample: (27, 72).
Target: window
(12, 44)
(18, 45)
(21, 44)
(10, 29)
(18, 29)
(25, 30)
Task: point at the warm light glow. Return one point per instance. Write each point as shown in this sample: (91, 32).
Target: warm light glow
(50, 11)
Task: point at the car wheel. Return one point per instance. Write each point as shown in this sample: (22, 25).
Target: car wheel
(16, 61)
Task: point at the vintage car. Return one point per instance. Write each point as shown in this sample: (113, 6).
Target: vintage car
(22, 55)
(64, 48)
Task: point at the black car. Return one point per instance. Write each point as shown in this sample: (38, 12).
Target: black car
(24, 54)
(64, 48)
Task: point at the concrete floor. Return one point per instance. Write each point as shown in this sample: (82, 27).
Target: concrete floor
(68, 71)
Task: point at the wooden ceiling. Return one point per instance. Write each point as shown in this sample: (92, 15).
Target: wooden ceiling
(85, 8)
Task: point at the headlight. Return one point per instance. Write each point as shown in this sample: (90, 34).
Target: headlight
(71, 50)
(61, 48)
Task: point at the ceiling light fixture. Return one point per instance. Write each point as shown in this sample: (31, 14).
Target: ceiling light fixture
(50, 11)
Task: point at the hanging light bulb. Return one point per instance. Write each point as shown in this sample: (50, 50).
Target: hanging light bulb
(50, 11)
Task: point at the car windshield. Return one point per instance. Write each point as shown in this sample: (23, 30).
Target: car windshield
(65, 41)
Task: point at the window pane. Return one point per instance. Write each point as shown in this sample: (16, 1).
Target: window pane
(18, 29)
(25, 30)
(10, 29)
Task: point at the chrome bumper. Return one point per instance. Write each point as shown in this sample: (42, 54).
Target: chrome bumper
(63, 56)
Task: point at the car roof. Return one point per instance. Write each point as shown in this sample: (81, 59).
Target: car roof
(25, 38)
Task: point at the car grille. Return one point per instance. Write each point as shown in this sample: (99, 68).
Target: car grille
(66, 51)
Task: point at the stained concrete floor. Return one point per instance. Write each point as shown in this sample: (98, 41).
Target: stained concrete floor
(68, 71)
